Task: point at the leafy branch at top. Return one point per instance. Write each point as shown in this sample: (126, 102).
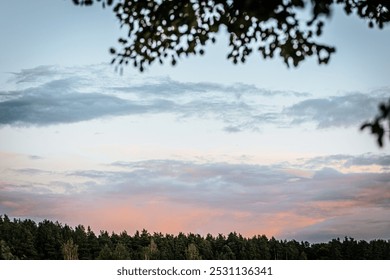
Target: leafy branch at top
(167, 30)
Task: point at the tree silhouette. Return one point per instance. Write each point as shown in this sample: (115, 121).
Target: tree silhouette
(50, 243)
(168, 30)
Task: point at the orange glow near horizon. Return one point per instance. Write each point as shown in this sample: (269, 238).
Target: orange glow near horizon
(161, 215)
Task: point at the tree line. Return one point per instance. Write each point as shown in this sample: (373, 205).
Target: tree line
(48, 240)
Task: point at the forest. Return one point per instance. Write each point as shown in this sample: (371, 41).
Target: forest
(48, 240)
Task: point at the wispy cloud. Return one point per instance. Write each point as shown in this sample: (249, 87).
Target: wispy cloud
(58, 102)
(49, 95)
(337, 111)
(348, 161)
(32, 171)
(168, 87)
(37, 74)
(35, 157)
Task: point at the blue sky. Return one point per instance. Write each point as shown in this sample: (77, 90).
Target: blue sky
(205, 146)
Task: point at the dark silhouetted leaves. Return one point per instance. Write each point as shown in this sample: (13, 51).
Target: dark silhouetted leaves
(378, 125)
(160, 29)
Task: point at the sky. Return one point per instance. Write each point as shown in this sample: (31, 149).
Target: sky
(203, 147)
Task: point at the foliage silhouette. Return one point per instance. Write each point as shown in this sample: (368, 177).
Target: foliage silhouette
(378, 125)
(167, 30)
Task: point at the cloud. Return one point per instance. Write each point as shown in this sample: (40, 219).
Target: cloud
(337, 111)
(36, 74)
(35, 157)
(369, 159)
(168, 87)
(32, 171)
(232, 129)
(57, 102)
(49, 95)
(208, 197)
(32, 202)
(359, 225)
(348, 161)
(326, 172)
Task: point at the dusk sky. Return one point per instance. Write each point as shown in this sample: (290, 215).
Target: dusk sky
(203, 147)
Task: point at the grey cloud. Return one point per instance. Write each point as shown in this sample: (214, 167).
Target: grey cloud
(171, 87)
(242, 186)
(53, 95)
(382, 160)
(93, 174)
(33, 171)
(35, 202)
(35, 157)
(324, 160)
(232, 129)
(57, 102)
(376, 196)
(288, 93)
(46, 73)
(358, 227)
(336, 111)
(358, 189)
(220, 184)
(327, 172)
(167, 87)
(36, 74)
(366, 160)
(103, 177)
